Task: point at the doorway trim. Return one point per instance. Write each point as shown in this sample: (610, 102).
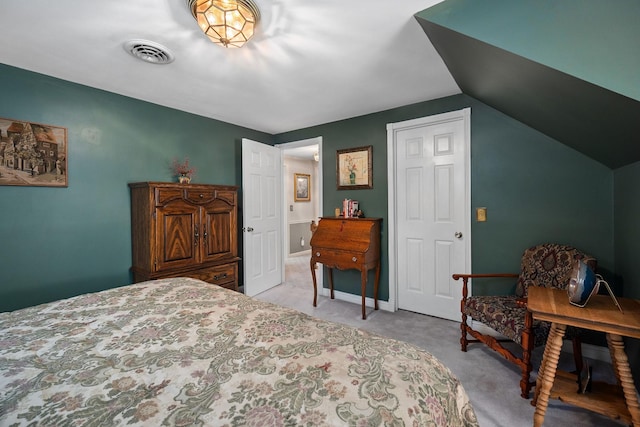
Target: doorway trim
(464, 114)
(319, 192)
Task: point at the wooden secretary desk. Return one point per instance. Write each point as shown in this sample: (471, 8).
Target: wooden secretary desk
(347, 243)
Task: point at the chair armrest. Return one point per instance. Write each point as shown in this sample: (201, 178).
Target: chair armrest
(465, 279)
(483, 275)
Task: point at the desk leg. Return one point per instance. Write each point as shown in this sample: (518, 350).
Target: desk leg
(544, 383)
(623, 373)
(375, 286)
(363, 280)
(315, 284)
(331, 281)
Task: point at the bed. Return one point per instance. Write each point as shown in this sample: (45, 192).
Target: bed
(182, 352)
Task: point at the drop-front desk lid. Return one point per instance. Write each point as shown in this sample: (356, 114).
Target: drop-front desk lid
(349, 234)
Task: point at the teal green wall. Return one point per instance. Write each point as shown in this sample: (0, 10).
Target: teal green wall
(58, 242)
(627, 245)
(593, 40)
(627, 232)
(536, 189)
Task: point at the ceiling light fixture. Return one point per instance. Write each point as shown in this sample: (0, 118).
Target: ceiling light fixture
(229, 23)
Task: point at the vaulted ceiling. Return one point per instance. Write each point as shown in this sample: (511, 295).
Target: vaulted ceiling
(568, 69)
(571, 71)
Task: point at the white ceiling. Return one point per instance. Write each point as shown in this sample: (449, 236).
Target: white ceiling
(305, 153)
(310, 62)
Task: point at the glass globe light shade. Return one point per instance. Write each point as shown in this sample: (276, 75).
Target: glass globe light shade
(228, 23)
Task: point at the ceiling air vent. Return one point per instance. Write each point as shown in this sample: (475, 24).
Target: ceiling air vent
(149, 51)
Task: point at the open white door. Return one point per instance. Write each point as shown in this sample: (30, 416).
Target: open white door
(261, 218)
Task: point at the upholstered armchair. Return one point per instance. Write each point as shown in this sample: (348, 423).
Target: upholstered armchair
(548, 265)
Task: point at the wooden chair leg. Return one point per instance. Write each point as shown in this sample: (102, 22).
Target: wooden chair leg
(463, 338)
(527, 348)
(463, 325)
(463, 329)
(525, 383)
(527, 367)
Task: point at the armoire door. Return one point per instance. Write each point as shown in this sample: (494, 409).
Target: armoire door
(218, 222)
(178, 235)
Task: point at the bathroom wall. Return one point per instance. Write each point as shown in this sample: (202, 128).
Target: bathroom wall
(300, 213)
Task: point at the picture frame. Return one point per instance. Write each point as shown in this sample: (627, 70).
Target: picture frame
(32, 154)
(354, 168)
(301, 187)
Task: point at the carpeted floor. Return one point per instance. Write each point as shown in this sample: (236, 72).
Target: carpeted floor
(489, 380)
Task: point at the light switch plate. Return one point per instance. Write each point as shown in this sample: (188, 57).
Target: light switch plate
(481, 214)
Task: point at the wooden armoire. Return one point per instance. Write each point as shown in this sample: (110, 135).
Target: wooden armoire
(185, 230)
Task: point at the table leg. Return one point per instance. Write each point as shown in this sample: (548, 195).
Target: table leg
(363, 280)
(315, 284)
(549, 364)
(536, 393)
(623, 373)
(613, 360)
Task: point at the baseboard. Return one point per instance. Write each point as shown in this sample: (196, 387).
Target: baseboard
(299, 253)
(590, 351)
(357, 299)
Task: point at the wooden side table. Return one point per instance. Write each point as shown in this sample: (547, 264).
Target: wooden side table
(616, 401)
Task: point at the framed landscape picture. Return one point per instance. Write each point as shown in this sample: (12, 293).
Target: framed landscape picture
(32, 154)
(301, 191)
(354, 168)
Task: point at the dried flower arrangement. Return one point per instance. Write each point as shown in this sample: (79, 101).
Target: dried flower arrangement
(182, 168)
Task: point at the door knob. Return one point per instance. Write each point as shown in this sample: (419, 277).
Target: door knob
(458, 235)
(249, 229)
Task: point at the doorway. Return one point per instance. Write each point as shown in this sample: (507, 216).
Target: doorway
(302, 157)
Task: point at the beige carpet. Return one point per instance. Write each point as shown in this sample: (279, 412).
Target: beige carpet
(490, 381)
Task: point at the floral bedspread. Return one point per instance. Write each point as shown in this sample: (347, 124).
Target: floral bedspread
(181, 352)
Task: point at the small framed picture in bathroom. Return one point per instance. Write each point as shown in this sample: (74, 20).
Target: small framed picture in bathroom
(301, 189)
